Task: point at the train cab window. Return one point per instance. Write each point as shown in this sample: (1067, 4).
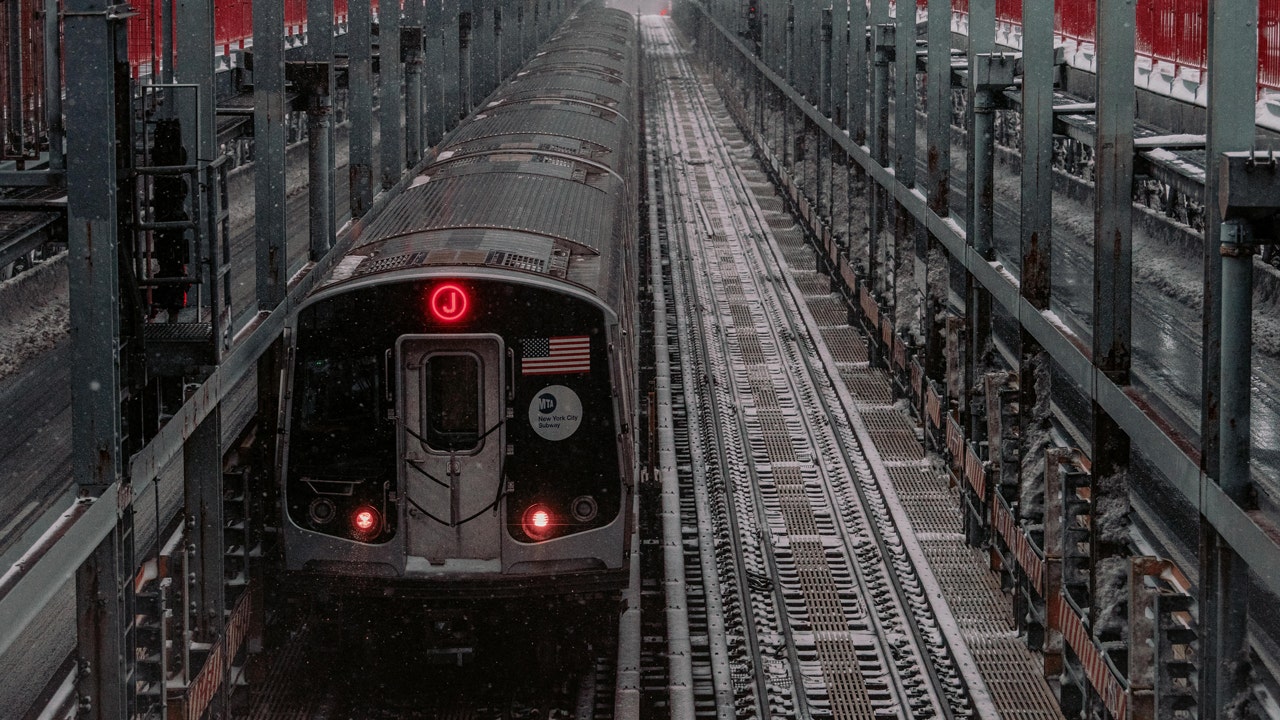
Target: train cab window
(339, 412)
(453, 407)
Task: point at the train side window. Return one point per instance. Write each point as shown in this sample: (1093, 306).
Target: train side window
(453, 403)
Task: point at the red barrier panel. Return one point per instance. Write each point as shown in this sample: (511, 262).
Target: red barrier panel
(30, 34)
(1009, 11)
(1269, 44)
(1173, 32)
(1168, 31)
(233, 24)
(144, 49)
(1075, 19)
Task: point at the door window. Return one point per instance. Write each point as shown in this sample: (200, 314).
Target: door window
(453, 402)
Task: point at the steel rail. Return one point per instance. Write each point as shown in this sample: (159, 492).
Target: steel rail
(695, 364)
(709, 523)
(680, 668)
(895, 608)
(743, 230)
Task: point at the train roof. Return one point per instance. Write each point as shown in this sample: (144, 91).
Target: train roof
(543, 198)
(537, 181)
(607, 91)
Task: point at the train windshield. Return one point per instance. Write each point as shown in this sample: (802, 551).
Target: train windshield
(339, 421)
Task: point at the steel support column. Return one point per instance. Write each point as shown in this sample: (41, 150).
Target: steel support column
(859, 69)
(360, 107)
(102, 685)
(318, 84)
(980, 194)
(499, 50)
(451, 38)
(53, 84)
(321, 161)
(269, 219)
(788, 72)
(391, 103)
(884, 50)
(98, 145)
(202, 470)
(904, 94)
(433, 59)
(1232, 35)
(481, 52)
(466, 20)
(933, 281)
(1036, 244)
(411, 54)
(840, 63)
(98, 149)
(904, 163)
(16, 71)
(1112, 325)
(825, 90)
(1224, 628)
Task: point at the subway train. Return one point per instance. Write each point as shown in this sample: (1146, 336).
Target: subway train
(459, 405)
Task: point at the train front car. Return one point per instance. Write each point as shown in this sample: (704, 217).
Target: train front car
(460, 414)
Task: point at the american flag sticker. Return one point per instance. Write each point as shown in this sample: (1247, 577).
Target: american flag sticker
(557, 355)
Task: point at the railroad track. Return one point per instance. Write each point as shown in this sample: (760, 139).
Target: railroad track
(810, 604)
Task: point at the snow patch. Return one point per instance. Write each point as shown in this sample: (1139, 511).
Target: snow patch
(34, 313)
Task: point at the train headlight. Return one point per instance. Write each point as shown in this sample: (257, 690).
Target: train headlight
(584, 508)
(365, 522)
(322, 511)
(538, 522)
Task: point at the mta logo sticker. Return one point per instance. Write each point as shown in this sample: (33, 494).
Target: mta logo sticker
(555, 413)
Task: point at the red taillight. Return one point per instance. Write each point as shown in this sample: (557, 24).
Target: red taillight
(538, 522)
(448, 302)
(365, 522)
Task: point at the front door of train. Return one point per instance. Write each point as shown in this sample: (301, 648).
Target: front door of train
(452, 408)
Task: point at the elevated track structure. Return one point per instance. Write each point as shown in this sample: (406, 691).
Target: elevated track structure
(1111, 432)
